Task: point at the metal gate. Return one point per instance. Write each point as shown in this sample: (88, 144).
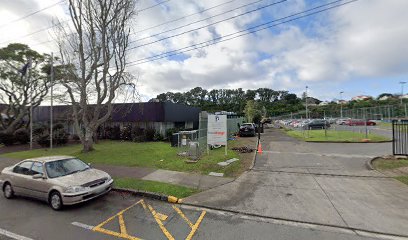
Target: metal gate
(400, 137)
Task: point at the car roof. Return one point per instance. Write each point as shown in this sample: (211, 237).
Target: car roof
(49, 158)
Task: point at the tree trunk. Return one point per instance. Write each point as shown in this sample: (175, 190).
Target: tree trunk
(88, 140)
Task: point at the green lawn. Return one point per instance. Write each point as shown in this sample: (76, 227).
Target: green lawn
(384, 125)
(151, 154)
(383, 164)
(403, 179)
(153, 186)
(334, 136)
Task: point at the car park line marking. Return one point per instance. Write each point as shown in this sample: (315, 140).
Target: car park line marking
(13, 235)
(160, 223)
(123, 231)
(193, 227)
(183, 216)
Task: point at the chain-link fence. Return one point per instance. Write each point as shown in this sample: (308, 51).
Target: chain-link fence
(194, 143)
(384, 113)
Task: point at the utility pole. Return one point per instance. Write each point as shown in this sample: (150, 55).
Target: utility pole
(31, 102)
(52, 89)
(307, 117)
(402, 90)
(341, 104)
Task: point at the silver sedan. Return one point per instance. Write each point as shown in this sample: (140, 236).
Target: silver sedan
(58, 180)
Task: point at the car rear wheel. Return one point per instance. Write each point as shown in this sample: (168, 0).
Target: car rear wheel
(55, 201)
(8, 191)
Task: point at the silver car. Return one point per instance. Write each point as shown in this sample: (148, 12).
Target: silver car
(59, 180)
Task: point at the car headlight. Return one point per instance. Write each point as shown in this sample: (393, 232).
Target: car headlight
(75, 189)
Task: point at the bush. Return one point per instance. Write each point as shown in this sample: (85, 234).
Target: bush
(44, 140)
(158, 137)
(22, 136)
(7, 139)
(126, 133)
(75, 137)
(169, 133)
(58, 126)
(60, 137)
(39, 130)
(149, 134)
(115, 133)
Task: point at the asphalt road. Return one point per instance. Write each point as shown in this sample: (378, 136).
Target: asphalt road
(147, 219)
(318, 183)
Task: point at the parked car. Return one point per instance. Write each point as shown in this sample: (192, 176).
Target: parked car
(342, 121)
(58, 180)
(360, 122)
(247, 129)
(317, 124)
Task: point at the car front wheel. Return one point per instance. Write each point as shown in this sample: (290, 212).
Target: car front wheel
(55, 201)
(8, 191)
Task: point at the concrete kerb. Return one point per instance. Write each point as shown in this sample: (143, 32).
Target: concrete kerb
(152, 195)
(354, 229)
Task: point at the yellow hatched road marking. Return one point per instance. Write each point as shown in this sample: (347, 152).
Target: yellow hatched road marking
(159, 221)
(193, 227)
(183, 216)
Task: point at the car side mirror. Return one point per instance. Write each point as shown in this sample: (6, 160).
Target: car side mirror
(38, 176)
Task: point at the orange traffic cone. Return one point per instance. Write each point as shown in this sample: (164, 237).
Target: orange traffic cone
(260, 148)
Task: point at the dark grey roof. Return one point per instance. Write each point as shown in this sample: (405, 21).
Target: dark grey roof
(129, 112)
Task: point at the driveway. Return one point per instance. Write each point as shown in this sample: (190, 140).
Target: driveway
(319, 183)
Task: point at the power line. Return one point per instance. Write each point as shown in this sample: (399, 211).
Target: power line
(57, 24)
(211, 24)
(202, 20)
(31, 14)
(183, 17)
(244, 32)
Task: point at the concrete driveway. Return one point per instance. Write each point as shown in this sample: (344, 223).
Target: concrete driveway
(319, 183)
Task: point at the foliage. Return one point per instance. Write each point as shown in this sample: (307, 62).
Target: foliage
(7, 139)
(22, 136)
(16, 90)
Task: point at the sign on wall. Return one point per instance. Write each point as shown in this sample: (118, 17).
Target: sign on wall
(217, 130)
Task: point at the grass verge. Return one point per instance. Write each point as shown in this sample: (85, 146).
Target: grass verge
(153, 186)
(403, 179)
(151, 154)
(334, 136)
(384, 164)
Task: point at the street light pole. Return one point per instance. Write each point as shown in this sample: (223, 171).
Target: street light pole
(52, 93)
(306, 103)
(402, 89)
(341, 104)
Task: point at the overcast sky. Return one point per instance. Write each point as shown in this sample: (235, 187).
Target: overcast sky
(359, 48)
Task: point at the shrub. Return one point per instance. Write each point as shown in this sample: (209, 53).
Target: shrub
(60, 137)
(39, 130)
(22, 136)
(169, 133)
(44, 140)
(7, 139)
(126, 133)
(158, 137)
(149, 134)
(115, 133)
(58, 126)
(75, 137)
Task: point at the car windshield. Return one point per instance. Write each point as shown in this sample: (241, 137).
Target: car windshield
(65, 167)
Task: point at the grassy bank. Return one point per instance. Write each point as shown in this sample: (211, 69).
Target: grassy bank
(388, 165)
(151, 154)
(153, 186)
(334, 136)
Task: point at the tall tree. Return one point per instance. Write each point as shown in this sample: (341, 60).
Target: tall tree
(96, 49)
(20, 84)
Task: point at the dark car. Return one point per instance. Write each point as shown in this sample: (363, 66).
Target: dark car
(247, 129)
(317, 124)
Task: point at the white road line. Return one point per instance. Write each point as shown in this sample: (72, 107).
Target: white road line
(13, 235)
(82, 225)
(323, 154)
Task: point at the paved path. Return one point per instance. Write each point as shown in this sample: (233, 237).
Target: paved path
(197, 181)
(320, 183)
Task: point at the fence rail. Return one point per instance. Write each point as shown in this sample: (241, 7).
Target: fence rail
(400, 137)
